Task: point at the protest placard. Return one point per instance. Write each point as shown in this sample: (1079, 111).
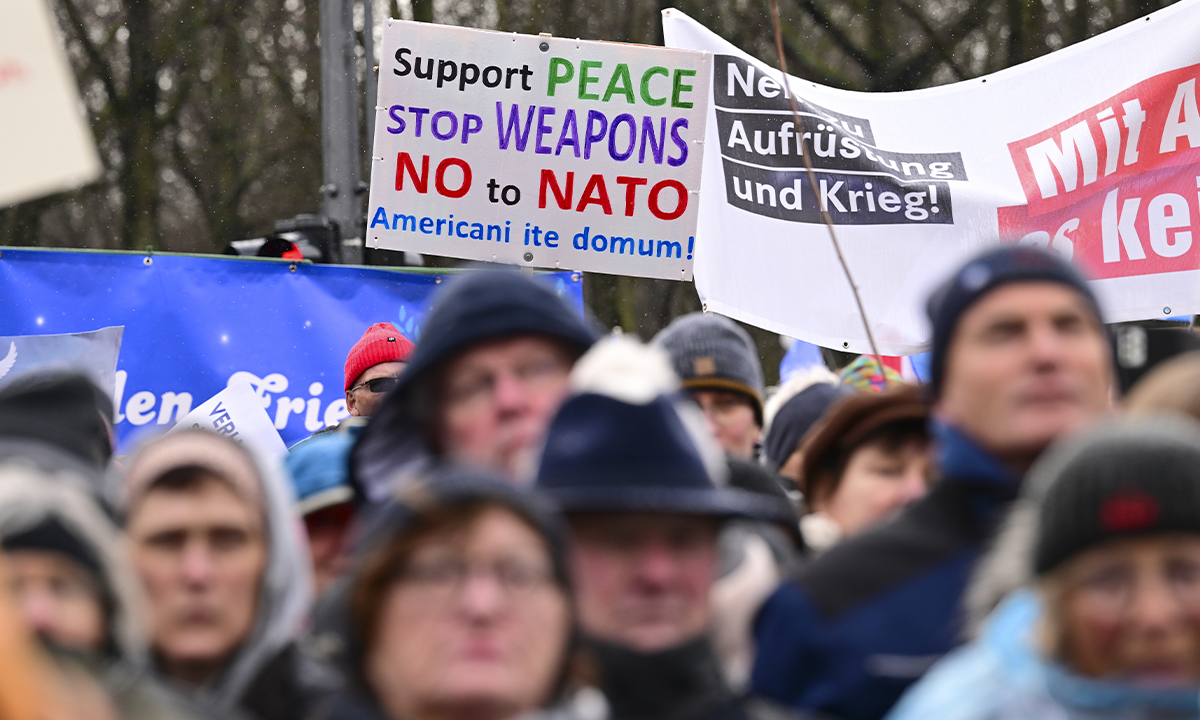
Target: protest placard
(236, 413)
(44, 137)
(538, 151)
(94, 354)
(1082, 151)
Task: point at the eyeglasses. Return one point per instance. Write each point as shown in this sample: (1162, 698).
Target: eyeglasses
(530, 374)
(1109, 591)
(379, 384)
(446, 578)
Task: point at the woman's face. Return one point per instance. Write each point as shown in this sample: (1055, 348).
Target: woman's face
(473, 626)
(1130, 611)
(879, 479)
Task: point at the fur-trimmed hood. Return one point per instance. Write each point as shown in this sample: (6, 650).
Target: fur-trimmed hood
(30, 494)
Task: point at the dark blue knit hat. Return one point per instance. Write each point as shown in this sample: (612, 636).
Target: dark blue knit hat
(489, 305)
(796, 417)
(603, 454)
(473, 308)
(984, 273)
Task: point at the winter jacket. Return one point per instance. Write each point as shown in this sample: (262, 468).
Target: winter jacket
(1002, 675)
(680, 683)
(868, 617)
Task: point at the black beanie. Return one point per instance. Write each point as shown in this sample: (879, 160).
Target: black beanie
(50, 535)
(796, 417)
(66, 410)
(1130, 478)
(984, 273)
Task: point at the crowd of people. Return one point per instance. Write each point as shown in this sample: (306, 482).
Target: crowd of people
(525, 518)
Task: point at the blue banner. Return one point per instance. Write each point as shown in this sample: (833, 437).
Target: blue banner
(192, 323)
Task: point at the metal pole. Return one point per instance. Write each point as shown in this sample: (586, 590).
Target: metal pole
(370, 76)
(340, 146)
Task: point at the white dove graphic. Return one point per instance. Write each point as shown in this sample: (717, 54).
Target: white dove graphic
(9, 360)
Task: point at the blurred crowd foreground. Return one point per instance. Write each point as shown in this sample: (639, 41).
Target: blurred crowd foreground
(522, 518)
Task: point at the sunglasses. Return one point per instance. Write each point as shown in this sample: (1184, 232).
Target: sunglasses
(379, 384)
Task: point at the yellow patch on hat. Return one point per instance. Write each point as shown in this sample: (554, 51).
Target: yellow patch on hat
(704, 366)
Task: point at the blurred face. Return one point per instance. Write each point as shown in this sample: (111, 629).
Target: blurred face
(200, 552)
(643, 579)
(791, 467)
(1027, 363)
(474, 625)
(361, 399)
(58, 597)
(879, 479)
(326, 531)
(731, 418)
(498, 399)
(1130, 611)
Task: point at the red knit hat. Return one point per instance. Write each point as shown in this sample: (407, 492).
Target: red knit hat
(381, 343)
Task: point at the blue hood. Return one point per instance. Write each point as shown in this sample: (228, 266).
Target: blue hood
(1012, 633)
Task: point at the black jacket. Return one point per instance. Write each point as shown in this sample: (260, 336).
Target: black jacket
(290, 686)
(681, 683)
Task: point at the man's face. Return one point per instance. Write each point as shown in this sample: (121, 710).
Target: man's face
(731, 418)
(58, 597)
(361, 400)
(327, 529)
(643, 579)
(201, 552)
(498, 399)
(1027, 363)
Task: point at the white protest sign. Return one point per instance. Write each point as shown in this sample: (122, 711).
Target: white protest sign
(237, 413)
(44, 137)
(94, 354)
(1090, 151)
(538, 151)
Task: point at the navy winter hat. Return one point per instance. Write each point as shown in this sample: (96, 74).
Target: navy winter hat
(1130, 478)
(986, 272)
(603, 454)
(797, 416)
(474, 308)
(489, 305)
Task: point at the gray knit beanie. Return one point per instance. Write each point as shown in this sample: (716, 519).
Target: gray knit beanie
(1128, 478)
(711, 352)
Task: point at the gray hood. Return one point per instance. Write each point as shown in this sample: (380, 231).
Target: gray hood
(285, 595)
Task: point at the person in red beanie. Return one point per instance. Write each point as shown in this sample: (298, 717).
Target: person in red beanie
(373, 367)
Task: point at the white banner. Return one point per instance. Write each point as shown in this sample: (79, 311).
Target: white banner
(45, 143)
(94, 354)
(1091, 151)
(538, 151)
(237, 413)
